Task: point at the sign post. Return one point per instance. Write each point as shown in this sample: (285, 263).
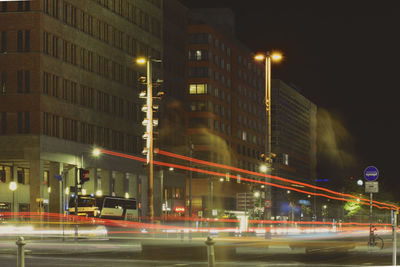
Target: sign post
(371, 173)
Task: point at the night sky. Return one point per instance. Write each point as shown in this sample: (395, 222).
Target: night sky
(344, 58)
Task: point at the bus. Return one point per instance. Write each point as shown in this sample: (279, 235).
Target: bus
(105, 207)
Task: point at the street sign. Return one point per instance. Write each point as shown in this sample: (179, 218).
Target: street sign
(371, 173)
(267, 203)
(58, 177)
(371, 187)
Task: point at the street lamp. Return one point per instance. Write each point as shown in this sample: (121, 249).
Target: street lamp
(12, 186)
(268, 155)
(149, 122)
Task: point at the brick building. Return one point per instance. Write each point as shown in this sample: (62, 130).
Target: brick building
(68, 84)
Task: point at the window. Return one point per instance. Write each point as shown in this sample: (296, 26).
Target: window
(27, 81)
(198, 89)
(3, 122)
(199, 38)
(198, 55)
(3, 82)
(216, 125)
(3, 41)
(216, 109)
(198, 72)
(19, 41)
(27, 40)
(198, 106)
(285, 159)
(19, 81)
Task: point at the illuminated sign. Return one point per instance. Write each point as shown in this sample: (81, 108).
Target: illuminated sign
(179, 209)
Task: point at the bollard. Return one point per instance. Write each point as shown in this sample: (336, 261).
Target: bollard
(20, 252)
(210, 251)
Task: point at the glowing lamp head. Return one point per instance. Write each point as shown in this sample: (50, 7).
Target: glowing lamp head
(96, 152)
(13, 186)
(99, 193)
(276, 56)
(256, 194)
(263, 168)
(259, 57)
(141, 60)
(126, 195)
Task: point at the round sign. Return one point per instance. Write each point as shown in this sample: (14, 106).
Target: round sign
(268, 203)
(371, 173)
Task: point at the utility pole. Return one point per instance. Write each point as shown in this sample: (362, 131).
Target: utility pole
(149, 122)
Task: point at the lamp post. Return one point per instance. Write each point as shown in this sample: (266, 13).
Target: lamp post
(268, 57)
(13, 187)
(148, 122)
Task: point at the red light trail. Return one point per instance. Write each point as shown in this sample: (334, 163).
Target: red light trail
(113, 153)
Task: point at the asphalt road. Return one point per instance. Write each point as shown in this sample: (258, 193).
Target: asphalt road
(249, 252)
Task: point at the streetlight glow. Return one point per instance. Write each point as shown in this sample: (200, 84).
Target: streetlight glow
(141, 60)
(259, 57)
(96, 152)
(263, 168)
(13, 186)
(257, 194)
(276, 56)
(99, 193)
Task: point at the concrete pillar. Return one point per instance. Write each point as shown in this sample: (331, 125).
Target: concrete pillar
(36, 184)
(95, 180)
(158, 177)
(119, 182)
(132, 185)
(144, 195)
(112, 183)
(104, 181)
(55, 196)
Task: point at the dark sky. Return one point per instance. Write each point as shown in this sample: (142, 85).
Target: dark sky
(345, 58)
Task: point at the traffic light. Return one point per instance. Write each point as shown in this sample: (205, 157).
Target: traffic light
(83, 176)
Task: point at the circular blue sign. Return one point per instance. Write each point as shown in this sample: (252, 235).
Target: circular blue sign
(371, 173)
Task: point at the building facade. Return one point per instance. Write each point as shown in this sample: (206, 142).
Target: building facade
(69, 84)
(225, 109)
(294, 141)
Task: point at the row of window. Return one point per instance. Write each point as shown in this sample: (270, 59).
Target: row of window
(205, 55)
(205, 38)
(90, 61)
(7, 174)
(252, 124)
(75, 93)
(249, 80)
(250, 138)
(204, 89)
(203, 105)
(248, 152)
(7, 120)
(23, 38)
(82, 132)
(21, 6)
(134, 14)
(251, 94)
(250, 108)
(23, 81)
(78, 18)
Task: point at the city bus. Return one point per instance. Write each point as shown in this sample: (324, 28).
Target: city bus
(105, 207)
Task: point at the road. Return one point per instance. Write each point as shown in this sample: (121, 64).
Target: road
(251, 251)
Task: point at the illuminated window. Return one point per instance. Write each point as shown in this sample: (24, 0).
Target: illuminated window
(198, 89)
(286, 159)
